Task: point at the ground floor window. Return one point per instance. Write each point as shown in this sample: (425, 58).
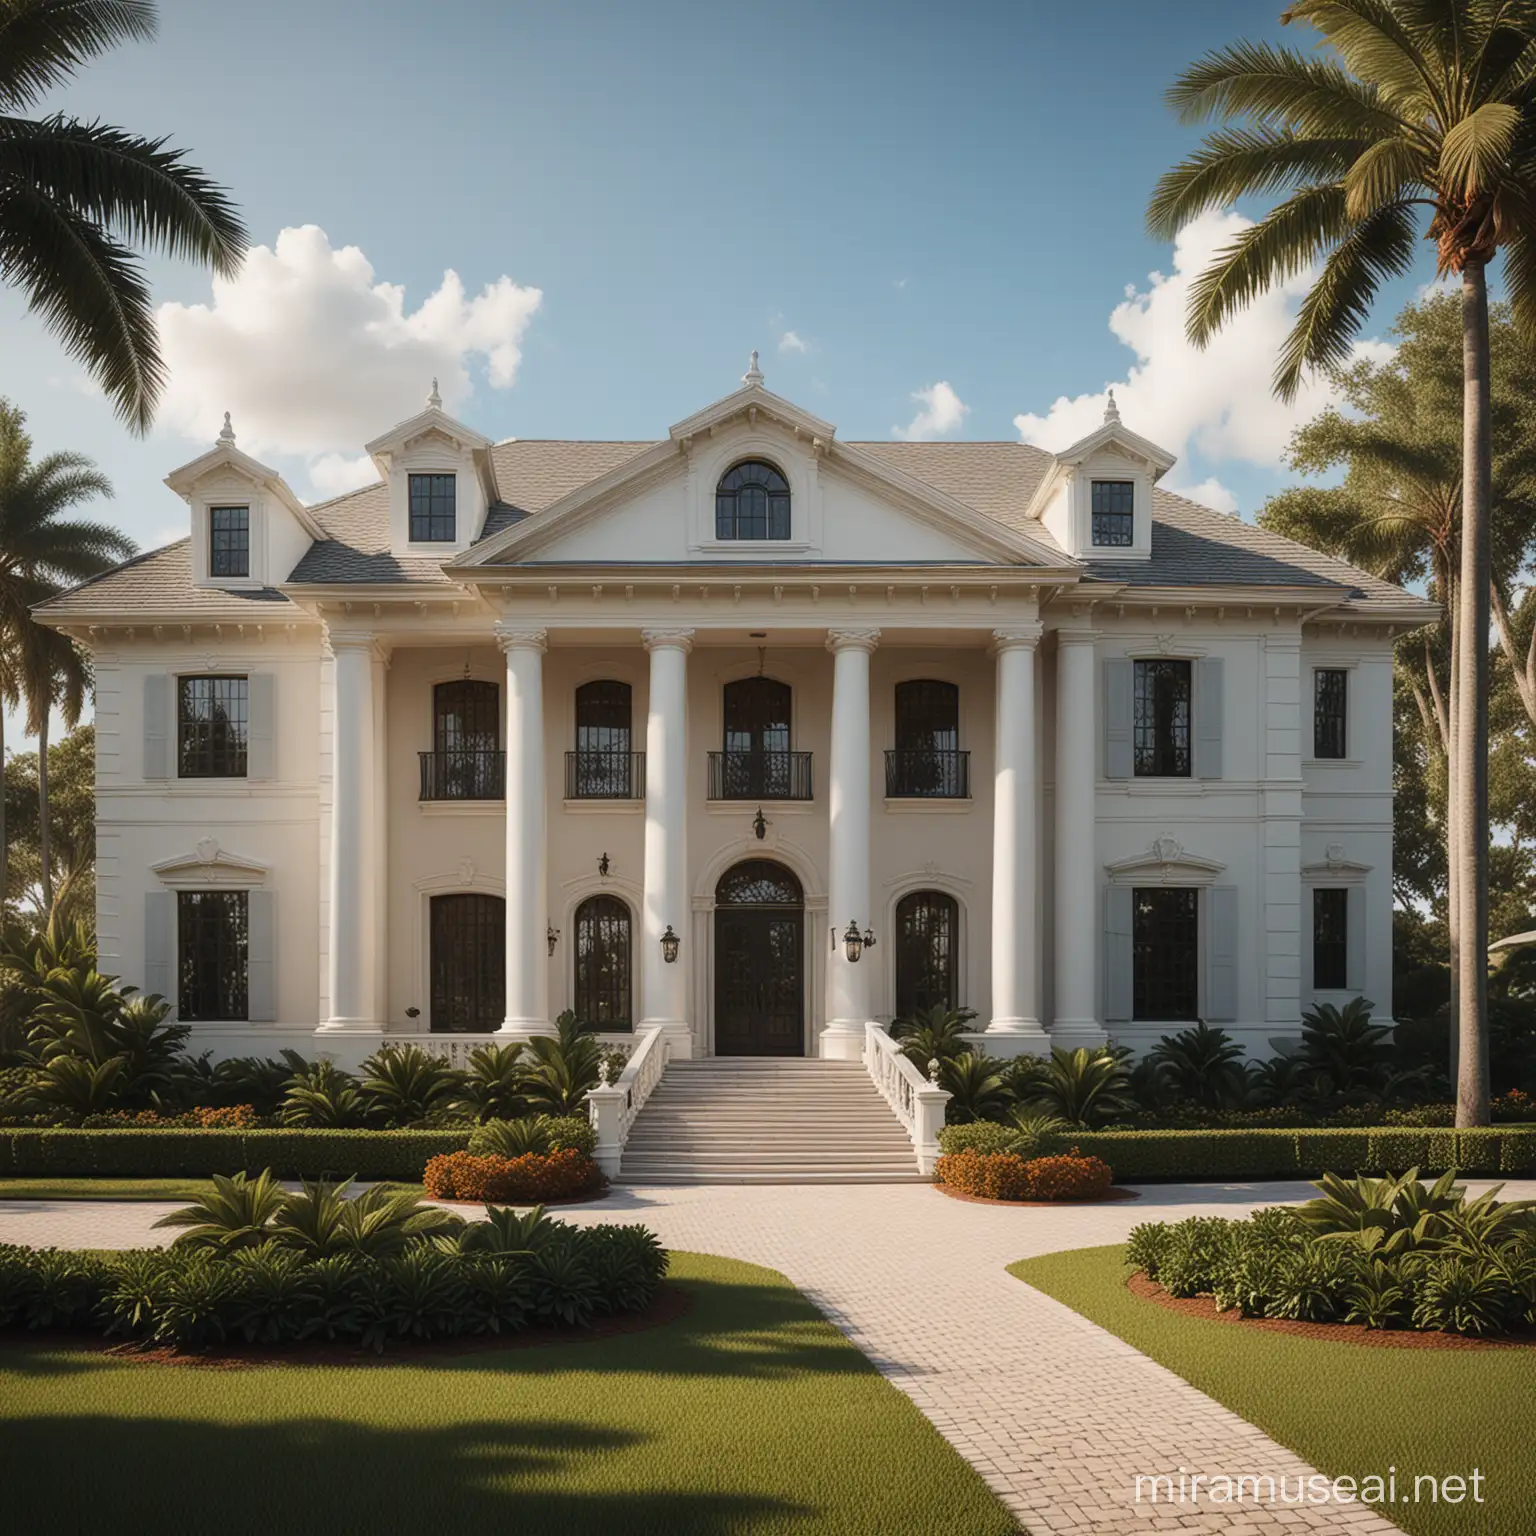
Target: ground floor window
(927, 935)
(469, 963)
(212, 948)
(603, 988)
(1330, 939)
(1165, 947)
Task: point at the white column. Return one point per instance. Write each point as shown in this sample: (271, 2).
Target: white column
(663, 987)
(1015, 1023)
(1076, 907)
(848, 983)
(354, 897)
(527, 895)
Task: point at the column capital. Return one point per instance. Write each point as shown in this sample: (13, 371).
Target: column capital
(667, 640)
(1076, 636)
(1018, 637)
(510, 638)
(337, 640)
(852, 640)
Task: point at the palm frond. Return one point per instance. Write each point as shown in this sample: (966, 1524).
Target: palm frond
(1373, 45)
(1387, 172)
(43, 42)
(132, 187)
(1375, 249)
(1474, 151)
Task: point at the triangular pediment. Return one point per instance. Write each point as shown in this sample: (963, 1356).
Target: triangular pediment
(209, 864)
(1166, 861)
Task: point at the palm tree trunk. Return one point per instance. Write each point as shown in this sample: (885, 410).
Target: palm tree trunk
(44, 842)
(5, 849)
(1452, 879)
(1470, 755)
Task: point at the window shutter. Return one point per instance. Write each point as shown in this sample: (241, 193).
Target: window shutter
(1308, 942)
(260, 748)
(1221, 954)
(1117, 719)
(1208, 704)
(261, 957)
(158, 691)
(160, 944)
(1354, 939)
(1118, 957)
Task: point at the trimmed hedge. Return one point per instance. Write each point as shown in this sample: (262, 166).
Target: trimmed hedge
(290, 1154)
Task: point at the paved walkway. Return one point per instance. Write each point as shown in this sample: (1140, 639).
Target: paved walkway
(1058, 1415)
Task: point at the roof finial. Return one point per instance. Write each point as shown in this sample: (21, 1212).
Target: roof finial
(227, 432)
(754, 374)
(1111, 410)
(435, 400)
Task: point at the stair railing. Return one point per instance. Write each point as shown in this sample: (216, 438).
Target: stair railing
(916, 1102)
(613, 1107)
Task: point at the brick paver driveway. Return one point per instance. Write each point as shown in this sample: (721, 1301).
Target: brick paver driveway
(1058, 1415)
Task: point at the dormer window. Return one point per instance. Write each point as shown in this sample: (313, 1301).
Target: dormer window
(752, 502)
(434, 518)
(1114, 514)
(229, 541)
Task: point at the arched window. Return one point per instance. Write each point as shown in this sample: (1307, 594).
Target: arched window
(756, 763)
(602, 767)
(466, 762)
(752, 502)
(758, 883)
(927, 949)
(927, 760)
(602, 964)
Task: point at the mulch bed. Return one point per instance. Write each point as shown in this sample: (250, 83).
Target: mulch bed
(1115, 1193)
(1335, 1333)
(672, 1302)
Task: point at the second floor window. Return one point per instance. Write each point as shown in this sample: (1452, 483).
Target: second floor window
(212, 714)
(752, 502)
(1114, 513)
(927, 758)
(603, 766)
(433, 518)
(229, 541)
(466, 741)
(1161, 719)
(1330, 698)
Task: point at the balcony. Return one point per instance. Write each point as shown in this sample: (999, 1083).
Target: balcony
(927, 773)
(463, 775)
(604, 775)
(759, 776)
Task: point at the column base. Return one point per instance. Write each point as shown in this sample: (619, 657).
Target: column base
(1069, 1034)
(525, 1029)
(1010, 1037)
(841, 1040)
(347, 1043)
(351, 1027)
(679, 1034)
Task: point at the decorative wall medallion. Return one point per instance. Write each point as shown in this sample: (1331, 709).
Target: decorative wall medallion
(467, 871)
(207, 849)
(1167, 850)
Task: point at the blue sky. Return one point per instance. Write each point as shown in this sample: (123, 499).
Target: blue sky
(915, 194)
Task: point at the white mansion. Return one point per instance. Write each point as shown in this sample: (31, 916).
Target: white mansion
(744, 737)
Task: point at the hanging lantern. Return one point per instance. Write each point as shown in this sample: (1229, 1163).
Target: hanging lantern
(669, 945)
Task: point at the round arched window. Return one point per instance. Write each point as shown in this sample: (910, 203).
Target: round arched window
(752, 502)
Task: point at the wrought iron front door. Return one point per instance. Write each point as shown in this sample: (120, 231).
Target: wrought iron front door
(759, 962)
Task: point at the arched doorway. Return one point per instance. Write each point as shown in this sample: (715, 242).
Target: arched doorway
(759, 961)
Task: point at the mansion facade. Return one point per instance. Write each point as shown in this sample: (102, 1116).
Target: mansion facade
(745, 735)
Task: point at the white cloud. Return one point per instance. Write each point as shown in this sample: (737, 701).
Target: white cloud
(1218, 400)
(333, 474)
(1209, 493)
(791, 342)
(312, 356)
(940, 411)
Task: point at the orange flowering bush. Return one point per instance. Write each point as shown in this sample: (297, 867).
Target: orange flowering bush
(233, 1117)
(530, 1179)
(1007, 1176)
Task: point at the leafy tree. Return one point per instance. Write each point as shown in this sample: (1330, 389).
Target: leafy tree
(1410, 105)
(76, 197)
(72, 823)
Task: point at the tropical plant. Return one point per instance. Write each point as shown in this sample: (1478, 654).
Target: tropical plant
(1343, 1051)
(379, 1221)
(558, 1070)
(322, 1094)
(405, 1084)
(76, 1085)
(1085, 1086)
(975, 1087)
(1035, 1130)
(1415, 104)
(237, 1214)
(1201, 1065)
(503, 1233)
(937, 1031)
(492, 1087)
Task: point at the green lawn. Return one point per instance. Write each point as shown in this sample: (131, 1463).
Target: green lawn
(751, 1413)
(104, 1189)
(1349, 1410)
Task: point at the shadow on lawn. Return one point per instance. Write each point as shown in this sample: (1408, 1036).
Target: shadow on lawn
(157, 1475)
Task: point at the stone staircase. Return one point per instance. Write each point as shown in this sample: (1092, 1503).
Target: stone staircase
(767, 1120)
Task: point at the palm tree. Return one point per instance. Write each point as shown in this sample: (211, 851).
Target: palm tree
(1413, 105)
(41, 551)
(75, 197)
(56, 675)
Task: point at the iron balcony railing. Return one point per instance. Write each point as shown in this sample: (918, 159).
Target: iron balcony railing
(463, 775)
(927, 773)
(759, 776)
(604, 775)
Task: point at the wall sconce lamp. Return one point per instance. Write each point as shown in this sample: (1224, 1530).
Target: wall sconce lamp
(854, 942)
(759, 825)
(413, 1013)
(551, 937)
(669, 945)
(603, 865)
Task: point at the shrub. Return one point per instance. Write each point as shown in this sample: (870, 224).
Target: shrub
(533, 1177)
(1201, 1064)
(537, 1133)
(975, 1087)
(403, 1083)
(1086, 1087)
(324, 1095)
(1068, 1177)
(203, 1118)
(976, 1136)
(1009, 1176)
(558, 1070)
(238, 1214)
(938, 1031)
